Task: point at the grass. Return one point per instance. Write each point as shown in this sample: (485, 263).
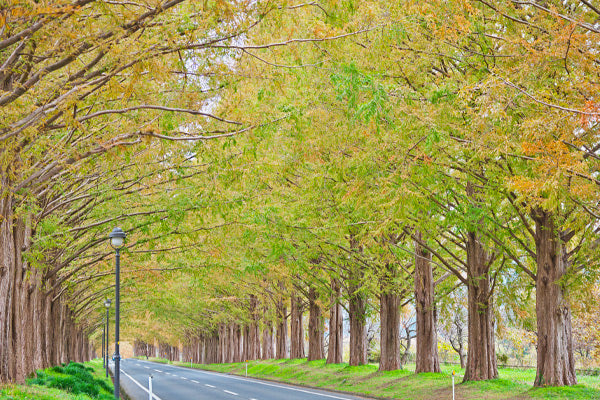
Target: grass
(67, 382)
(404, 384)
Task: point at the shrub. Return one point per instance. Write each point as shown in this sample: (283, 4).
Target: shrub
(503, 358)
(75, 378)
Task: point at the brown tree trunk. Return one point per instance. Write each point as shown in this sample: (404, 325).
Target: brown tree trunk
(8, 272)
(316, 349)
(357, 308)
(296, 328)
(390, 332)
(267, 341)
(246, 345)
(481, 353)
(237, 343)
(427, 355)
(336, 326)
(281, 349)
(555, 361)
(253, 331)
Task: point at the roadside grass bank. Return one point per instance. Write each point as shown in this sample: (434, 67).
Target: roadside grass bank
(404, 384)
(74, 381)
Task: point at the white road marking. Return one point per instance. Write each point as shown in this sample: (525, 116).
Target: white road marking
(195, 381)
(140, 385)
(273, 385)
(233, 393)
(183, 377)
(270, 384)
(174, 375)
(156, 370)
(146, 367)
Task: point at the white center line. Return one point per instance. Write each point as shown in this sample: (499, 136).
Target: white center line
(233, 393)
(147, 367)
(183, 377)
(195, 381)
(156, 370)
(206, 384)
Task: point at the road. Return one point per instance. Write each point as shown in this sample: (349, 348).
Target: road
(177, 383)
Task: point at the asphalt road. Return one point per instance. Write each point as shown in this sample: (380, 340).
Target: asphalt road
(177, 383)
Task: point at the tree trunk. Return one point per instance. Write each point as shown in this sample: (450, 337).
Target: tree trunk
(281, 350)
(336, 326)
(481, 353)
(390, 332)
(237, 343)
(296, 329)
(358, 330)
(316, 349)
(427, 355)
(267, 341)
(253, 331)
(555, 361)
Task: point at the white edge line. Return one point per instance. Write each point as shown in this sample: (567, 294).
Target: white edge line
(140, 385)
(273, 385)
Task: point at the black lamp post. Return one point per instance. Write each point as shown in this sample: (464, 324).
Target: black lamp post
(107, 305)
(103, 345)
(117, 238)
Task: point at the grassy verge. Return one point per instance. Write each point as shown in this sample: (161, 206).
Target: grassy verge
(404, 384)
(71, 382)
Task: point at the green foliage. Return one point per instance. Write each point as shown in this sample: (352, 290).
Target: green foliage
(75, 378)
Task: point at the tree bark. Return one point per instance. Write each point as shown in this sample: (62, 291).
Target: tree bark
(427, 354)
(316, 347)
(296, 328)
(481, 353)
(390, 332)
(555, 360)
(281, 349)
(336, 326)
(358, 330)
(267, 341)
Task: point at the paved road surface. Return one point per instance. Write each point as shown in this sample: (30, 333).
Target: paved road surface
(177, 383)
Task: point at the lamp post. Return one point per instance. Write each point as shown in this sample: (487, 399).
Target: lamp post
(117, 238)
(107, 305)
(103, 345)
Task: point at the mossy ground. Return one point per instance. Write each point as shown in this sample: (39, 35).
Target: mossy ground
(404, 384)
(70, 382)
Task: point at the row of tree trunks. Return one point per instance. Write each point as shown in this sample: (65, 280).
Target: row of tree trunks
(143, 349)
(169, 352)
(36, 330)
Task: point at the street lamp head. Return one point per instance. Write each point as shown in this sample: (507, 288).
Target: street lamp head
(117, 237)
(107, 303)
